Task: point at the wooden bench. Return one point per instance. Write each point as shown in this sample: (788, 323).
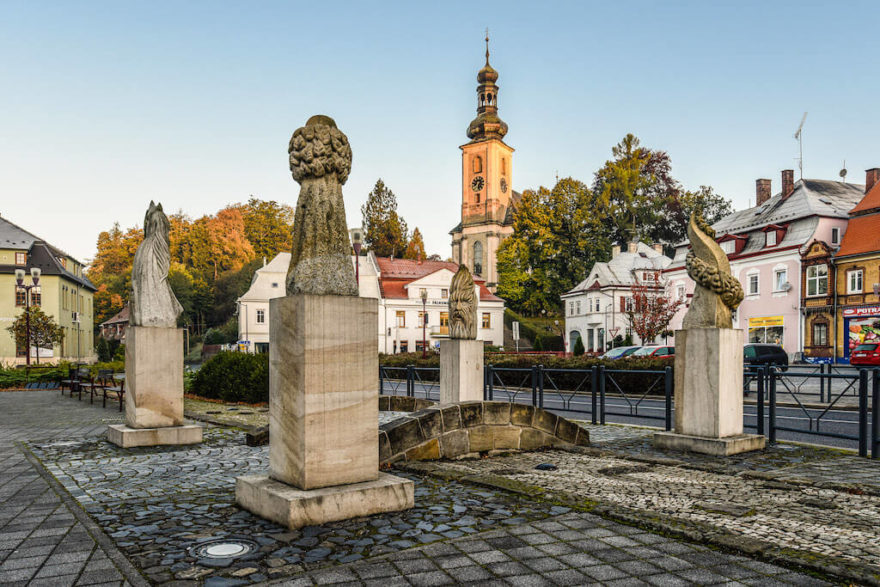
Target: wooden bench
(83, 381)
(71, 382)
(94, 385)
(116, 384)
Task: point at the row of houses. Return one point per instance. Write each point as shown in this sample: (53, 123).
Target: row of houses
(413, 298)
(808, 258)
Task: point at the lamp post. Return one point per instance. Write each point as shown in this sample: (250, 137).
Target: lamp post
(19, 280)
(357, 242)
(424, 294)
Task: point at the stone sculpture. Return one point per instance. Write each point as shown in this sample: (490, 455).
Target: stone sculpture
(717, 292)
(320, 161)
(152, 301)
(462, 306)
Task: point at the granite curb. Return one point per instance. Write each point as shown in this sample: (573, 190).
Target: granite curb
(825, 565)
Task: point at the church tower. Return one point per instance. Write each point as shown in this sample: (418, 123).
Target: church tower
(487, 198)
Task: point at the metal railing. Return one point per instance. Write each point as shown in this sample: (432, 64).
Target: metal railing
(636, 393)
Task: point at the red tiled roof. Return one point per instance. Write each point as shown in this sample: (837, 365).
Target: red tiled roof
(869, 202)
(396, 274)
(862, 235)
(121, 316)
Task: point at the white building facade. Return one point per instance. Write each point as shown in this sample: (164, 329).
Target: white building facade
(397, 284)
(595, 309)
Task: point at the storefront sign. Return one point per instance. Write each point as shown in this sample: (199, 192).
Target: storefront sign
(766, 321)
(866, 311)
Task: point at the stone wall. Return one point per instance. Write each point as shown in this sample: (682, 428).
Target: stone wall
(471, 428)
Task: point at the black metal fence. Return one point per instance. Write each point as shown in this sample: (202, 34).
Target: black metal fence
(586, 391)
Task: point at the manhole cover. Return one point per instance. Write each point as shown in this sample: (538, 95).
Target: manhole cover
(223, 549)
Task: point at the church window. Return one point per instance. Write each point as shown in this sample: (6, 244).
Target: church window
(478, 258)
(478, 164)
(503, 166)
(477, 197)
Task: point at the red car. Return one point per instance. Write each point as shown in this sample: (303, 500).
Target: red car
(867, 353)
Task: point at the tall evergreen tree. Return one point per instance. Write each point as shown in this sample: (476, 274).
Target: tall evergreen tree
(385, 233)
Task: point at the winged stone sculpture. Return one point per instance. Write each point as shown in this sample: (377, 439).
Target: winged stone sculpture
(717, 292)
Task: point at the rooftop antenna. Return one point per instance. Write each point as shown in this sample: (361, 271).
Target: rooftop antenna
(843, 172)
(799, 136)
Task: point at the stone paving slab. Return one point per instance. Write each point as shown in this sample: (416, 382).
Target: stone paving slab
(839, 526)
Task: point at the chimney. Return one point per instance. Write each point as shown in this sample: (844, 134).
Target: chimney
(762, 191)
(615, 250)
(787, 182)
(632, 247)
(872, 176)
(658, 247)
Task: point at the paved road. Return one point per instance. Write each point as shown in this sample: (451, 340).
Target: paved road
(651, 412)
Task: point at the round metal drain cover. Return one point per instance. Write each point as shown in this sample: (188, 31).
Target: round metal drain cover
(223, 548)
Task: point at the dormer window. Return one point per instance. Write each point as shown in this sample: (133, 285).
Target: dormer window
(835, 236)
(773, 234)
(771, 238)
(728, 247)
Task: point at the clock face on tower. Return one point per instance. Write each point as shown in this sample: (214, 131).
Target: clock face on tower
(503, 186)
(478, 183)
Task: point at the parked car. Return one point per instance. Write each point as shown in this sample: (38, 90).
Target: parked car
(655, 351)
(867, 353)
(765, 354)
(620, 352)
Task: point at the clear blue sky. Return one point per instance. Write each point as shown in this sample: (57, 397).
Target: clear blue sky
(105, 105)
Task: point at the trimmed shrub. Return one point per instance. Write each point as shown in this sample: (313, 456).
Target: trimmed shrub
(579, 349)
(234, 377)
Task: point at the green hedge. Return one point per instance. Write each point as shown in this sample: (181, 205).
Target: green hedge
(233, 377)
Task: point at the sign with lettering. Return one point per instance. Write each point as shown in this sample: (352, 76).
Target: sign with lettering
(765, 321)
(866, 311)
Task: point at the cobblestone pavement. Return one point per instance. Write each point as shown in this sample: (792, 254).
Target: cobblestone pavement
(806, 518)
(157, 505)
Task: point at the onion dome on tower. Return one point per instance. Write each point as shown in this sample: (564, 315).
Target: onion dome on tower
(487, 125)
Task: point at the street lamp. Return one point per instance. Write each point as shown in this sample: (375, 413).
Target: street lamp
(357, 242)
(19, 280)
(424, 295)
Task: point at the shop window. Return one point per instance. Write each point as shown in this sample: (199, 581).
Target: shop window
(261, 316)
(420, 346)
(817, 280)
(487, 320)
(820, 334)
(21, 258)
(855, 281)
(404, 346)
(401, 320)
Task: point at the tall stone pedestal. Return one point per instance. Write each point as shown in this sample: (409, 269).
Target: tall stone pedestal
(461, 371)
(153, 390)
(323, 416)
(709, 394)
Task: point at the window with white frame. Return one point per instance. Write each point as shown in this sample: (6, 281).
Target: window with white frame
(835, 236)
(680, 292)
(728, 246)
(855, 281)
(577, 307)
(753, 284)
(629, 305)
(817, 280)
(261, 316)
(780, 279)
(771, 238)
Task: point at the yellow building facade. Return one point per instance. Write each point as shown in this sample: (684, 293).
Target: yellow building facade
(63, 293)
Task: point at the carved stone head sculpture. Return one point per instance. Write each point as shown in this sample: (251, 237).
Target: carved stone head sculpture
(320, 261)
(153, 303)
(462, 306)
(717, 292)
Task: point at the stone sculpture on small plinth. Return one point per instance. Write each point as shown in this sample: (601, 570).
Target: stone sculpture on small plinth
(709, 357)
(461, 357)
(323, 364)
(154, 348)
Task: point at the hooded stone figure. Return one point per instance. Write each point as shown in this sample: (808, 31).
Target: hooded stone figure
(462, 306)
(152, 301)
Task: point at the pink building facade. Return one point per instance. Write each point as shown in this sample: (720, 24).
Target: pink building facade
(764, 245)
